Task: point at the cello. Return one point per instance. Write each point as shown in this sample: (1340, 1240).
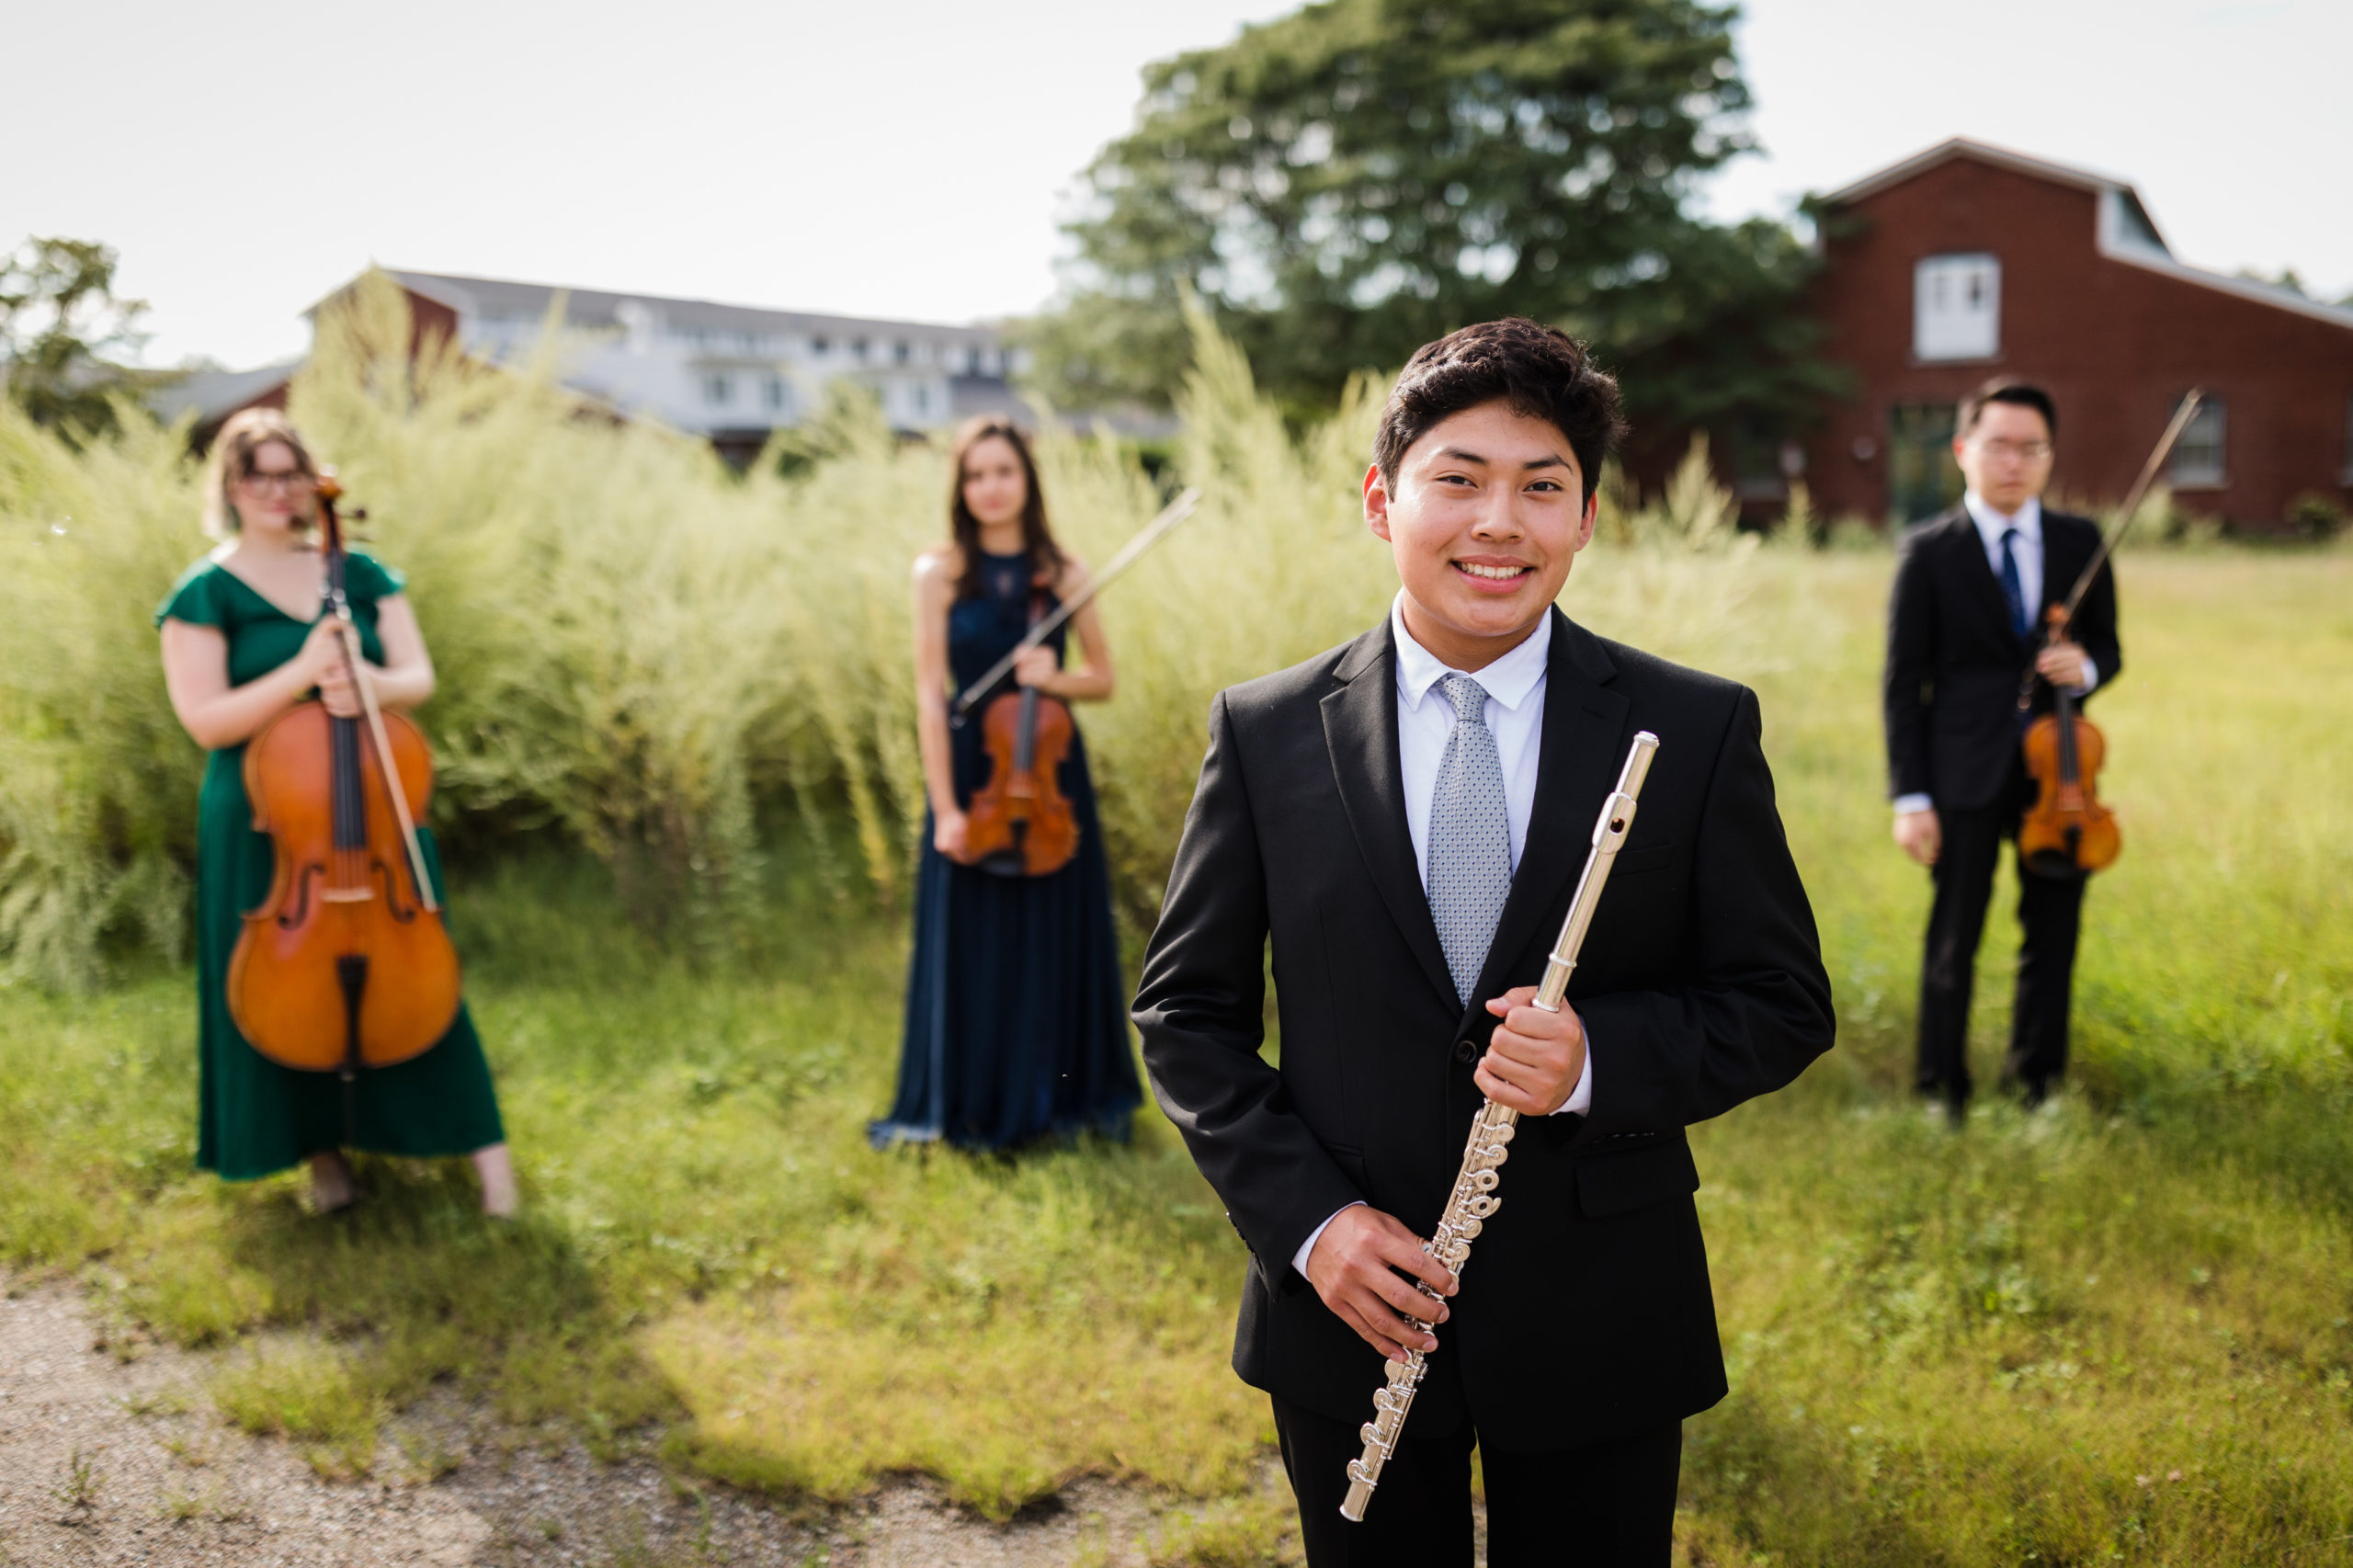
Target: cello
(347, 963)
(1019, 823)
(2066, 832)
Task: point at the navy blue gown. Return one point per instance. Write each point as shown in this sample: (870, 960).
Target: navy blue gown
(1016, 1023)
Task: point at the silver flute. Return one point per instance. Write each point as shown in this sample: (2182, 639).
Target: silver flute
(1473, 1201)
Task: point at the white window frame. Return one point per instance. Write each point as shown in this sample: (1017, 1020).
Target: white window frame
(2183, 476)
(1942, 333)
(718, 388)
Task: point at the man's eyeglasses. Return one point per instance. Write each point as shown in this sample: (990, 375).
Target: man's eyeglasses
(290, 480)
(2032, 451)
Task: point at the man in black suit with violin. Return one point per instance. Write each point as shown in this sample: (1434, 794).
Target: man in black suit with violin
(1971, 591)
(1405, 817)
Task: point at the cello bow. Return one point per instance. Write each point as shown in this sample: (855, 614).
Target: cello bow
(338, 605)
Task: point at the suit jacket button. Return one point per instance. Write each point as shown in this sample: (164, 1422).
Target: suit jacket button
(1465, 1050)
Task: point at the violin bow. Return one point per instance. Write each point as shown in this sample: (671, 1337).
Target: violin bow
(1175, 512)
(2133, 499)
(2061, 618)
(353, 661)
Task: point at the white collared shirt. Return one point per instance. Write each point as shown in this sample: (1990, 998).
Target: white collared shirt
(1515, 715)
(1990, 525)
(1993, 525)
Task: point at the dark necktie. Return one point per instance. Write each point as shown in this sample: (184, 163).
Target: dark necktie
(2013, 587)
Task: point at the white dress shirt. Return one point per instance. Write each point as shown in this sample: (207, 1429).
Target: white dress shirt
(2028, 552)
(1515, 716)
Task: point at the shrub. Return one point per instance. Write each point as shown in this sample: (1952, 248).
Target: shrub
(2315, 517)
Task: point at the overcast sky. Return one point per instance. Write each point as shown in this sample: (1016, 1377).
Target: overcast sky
(911, 158)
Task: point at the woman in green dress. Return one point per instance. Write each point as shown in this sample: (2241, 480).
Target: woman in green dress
(243, 642)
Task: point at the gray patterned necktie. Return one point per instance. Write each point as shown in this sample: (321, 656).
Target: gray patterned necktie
(1469, 839)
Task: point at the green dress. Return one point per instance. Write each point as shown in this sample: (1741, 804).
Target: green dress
(253, 1115)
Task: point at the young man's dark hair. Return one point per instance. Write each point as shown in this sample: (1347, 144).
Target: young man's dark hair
(2006, 389)
(1539, 371)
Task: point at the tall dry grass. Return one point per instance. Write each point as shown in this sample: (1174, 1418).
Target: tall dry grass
(659, 660)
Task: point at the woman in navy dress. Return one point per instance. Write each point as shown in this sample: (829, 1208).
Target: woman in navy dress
(1016, 1023)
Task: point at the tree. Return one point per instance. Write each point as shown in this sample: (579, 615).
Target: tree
(1346, 183)
(61, 325)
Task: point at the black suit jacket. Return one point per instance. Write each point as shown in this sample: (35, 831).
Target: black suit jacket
(1953, 664)
(1585, 1309)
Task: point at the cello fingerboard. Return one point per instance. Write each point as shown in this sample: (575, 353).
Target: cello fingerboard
(349, 805)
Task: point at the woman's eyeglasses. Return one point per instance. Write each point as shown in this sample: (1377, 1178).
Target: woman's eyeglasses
(289, 480)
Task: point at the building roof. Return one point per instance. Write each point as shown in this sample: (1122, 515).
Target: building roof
(213, 394)
(498, 297)
(2125, 231)
(1954, 147)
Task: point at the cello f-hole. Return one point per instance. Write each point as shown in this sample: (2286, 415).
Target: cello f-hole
(293, 918)
(403, 913)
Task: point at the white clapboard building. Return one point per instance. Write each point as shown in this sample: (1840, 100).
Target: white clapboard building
(733, 374)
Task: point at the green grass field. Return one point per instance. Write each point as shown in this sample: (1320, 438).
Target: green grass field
(2114, 1331)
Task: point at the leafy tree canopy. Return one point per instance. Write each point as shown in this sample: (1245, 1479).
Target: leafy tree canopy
(61, 330)
(1346, 183)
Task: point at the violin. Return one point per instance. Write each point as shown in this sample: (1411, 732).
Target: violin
(347, 963)
(1020, 824)
(2066, 832)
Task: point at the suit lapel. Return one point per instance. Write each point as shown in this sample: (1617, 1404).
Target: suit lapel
(1580, 751)
(1360, 731)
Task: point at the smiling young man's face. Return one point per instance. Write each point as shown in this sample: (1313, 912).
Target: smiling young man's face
(1486, 514)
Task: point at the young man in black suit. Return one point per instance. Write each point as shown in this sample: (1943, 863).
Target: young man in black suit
(1406, 817)
(1964, 627)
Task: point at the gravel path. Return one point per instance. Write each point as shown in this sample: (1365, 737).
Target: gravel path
(107, 1460)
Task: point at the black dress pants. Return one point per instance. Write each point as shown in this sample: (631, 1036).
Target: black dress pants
(1606, 1504)
(2050, 915)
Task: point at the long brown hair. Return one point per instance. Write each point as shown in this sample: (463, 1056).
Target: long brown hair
(1037, 538)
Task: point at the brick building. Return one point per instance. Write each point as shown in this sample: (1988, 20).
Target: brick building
(1967, 261)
